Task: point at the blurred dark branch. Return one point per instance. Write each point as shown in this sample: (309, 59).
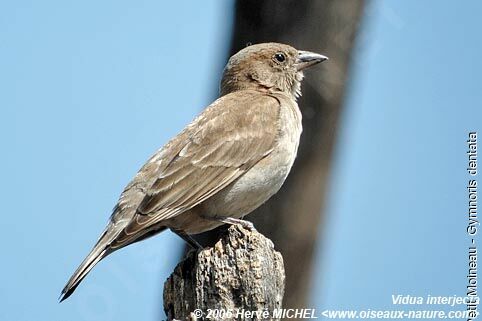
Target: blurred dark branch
(292, 218)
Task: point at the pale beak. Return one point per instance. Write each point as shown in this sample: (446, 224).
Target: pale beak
(307, 59)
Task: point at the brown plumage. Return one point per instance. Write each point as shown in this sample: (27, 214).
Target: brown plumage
(233, 157)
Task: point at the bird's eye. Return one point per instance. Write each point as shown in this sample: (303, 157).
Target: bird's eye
(280, 57)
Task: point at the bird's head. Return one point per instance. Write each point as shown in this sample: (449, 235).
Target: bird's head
(268, 67)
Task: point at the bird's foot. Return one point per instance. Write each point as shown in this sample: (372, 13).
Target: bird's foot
(246, 224)
(189, 240)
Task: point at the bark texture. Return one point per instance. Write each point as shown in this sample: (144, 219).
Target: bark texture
(292, 218)
(242, 271)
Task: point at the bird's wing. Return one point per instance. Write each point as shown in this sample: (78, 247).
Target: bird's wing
(226, 140)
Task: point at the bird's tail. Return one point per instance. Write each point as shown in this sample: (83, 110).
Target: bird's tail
(100, 250)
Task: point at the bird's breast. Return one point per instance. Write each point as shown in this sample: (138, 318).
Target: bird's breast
(265, 178)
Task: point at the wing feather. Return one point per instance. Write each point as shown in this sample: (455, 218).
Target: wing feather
(226, 140)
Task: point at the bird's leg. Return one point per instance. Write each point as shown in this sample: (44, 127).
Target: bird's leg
(189, 240)
(231, 220)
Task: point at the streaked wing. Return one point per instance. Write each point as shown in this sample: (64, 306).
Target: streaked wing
(226, 140)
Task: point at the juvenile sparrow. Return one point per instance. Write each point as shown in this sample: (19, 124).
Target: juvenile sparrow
(232, 158)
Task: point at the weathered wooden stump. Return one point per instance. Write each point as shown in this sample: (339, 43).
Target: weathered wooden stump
(238, 279)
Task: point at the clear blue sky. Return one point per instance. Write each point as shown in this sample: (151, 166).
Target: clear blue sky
(398, 204)
(89, 90)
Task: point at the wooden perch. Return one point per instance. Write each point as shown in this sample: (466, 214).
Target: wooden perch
(242, 272)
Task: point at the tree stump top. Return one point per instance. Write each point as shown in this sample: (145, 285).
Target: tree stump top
(241, 272)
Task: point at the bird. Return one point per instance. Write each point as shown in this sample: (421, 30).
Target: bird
(228, 161)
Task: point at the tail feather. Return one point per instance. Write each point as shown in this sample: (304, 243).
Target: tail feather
(98, 253)
(101, 249)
